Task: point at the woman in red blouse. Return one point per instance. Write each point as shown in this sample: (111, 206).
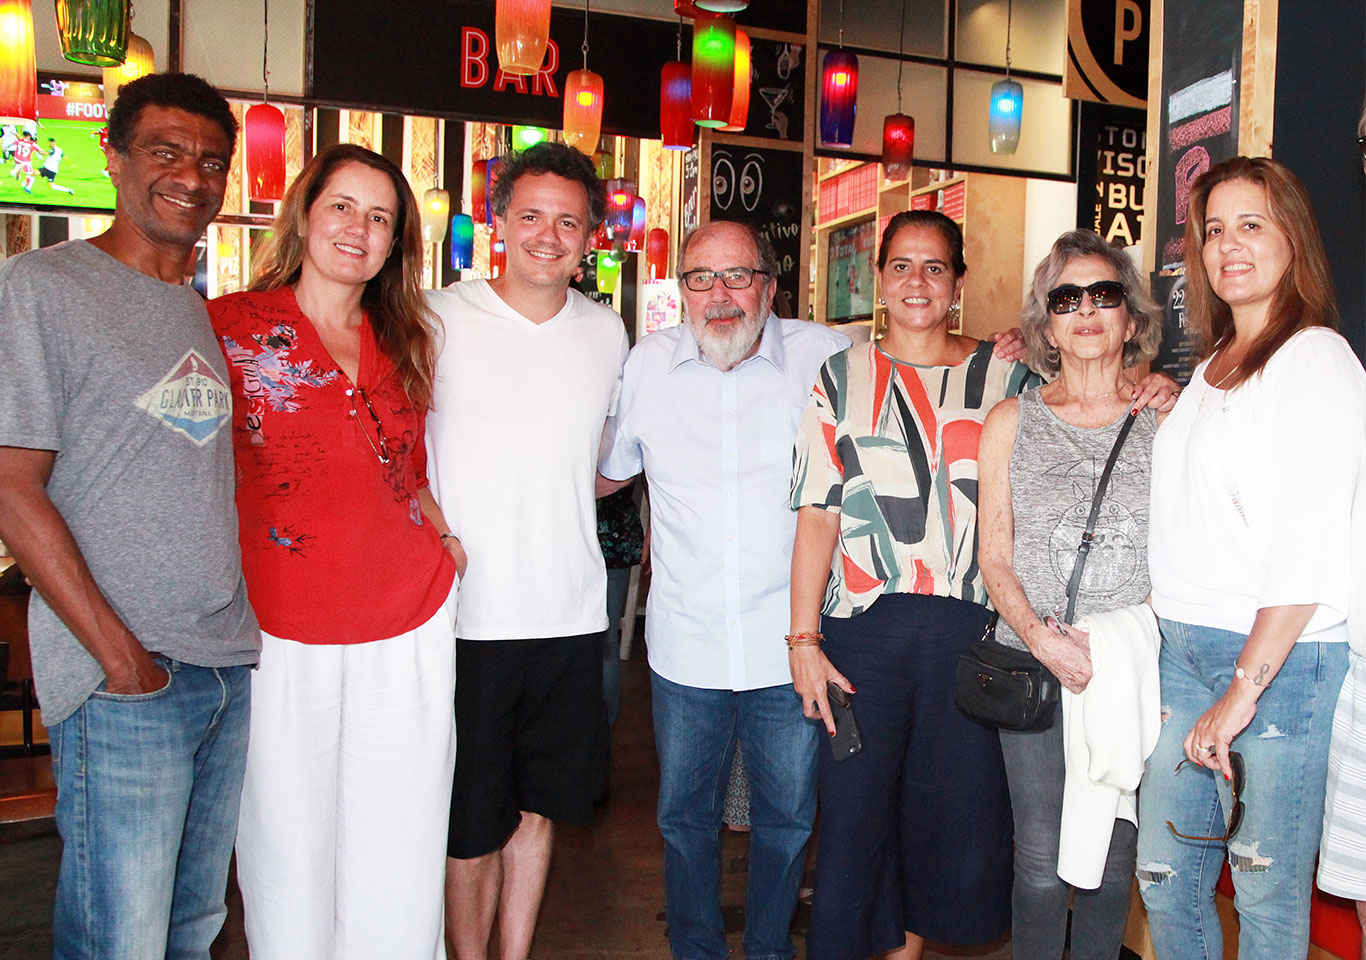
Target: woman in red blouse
(351, 570)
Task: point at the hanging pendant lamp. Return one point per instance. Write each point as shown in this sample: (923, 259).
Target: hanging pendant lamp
(492, 167)
(583, 102)
(739, 101)
(621, 205)
(498, 255)
(139, 61)
(94, 32)
(600, 239)
(521, 31)
(839, 94)
(657, 253)
(436, 205)
(685, 8)
(898, 130)
(477, 183)
(18, 63)
(721, 6)
(263, 135)
(608, 270)
(675, 99)
(635, 242)
(1007, 104)
(713, 69)
(462, 241)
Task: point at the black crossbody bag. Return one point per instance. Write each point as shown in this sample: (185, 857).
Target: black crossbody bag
(1007, 687)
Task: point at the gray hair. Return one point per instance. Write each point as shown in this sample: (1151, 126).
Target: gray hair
(1142, 309)
(768, 258)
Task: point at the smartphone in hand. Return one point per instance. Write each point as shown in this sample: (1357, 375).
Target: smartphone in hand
(846, 741)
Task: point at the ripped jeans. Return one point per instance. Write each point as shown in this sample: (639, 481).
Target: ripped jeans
(1285, 751)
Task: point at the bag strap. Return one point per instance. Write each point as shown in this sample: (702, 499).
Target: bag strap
(1088, 534)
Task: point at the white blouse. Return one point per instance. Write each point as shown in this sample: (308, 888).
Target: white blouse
(1253, 488)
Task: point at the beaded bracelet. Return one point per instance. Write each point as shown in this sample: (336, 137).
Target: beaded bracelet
(804, 640)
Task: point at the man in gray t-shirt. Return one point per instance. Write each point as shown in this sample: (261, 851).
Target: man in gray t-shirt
(116, 497)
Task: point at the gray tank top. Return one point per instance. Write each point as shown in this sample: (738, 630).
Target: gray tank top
(1054, 468)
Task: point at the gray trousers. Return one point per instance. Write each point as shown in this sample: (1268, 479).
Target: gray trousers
(1034, 770)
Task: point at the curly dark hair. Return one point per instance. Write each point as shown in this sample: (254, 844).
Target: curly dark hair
(559, 159)
(183, 91)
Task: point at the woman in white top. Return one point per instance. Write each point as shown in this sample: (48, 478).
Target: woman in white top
(1254, 473)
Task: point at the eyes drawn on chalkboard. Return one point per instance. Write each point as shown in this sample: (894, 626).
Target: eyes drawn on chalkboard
(727, 186)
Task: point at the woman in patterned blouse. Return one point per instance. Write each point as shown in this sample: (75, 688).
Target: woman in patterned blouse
(915, 829)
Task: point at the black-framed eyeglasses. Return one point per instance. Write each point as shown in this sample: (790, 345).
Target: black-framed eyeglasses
(735, 278)
(1066, 298)
(381, 451)
(1235, 818)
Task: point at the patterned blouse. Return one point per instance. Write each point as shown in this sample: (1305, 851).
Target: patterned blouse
(892, 446)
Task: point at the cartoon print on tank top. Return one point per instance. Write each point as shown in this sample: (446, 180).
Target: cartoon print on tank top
(1114, 560)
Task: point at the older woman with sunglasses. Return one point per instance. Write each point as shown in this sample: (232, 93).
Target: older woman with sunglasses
(1251, 558)
(341, 842)
(1086, 319)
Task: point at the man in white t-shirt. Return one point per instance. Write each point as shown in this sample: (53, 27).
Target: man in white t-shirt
(528, 374)
(709, 411)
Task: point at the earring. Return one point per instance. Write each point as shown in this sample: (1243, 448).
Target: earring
(955, 314)
(882, 301)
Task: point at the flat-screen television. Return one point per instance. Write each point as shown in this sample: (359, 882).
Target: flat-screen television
(849, 273)
(56, 165)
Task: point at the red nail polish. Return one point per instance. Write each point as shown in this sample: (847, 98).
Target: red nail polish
(1227, 777)
(832, 733)
(852, 688)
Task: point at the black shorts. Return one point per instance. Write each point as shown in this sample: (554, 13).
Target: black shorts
(47, 174)
(527, 729)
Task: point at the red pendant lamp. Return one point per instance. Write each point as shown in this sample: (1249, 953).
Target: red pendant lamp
(739, 102)
(657, 253)
(839, 93)
(675, 100)
(263, 135)
(18, 63)
(498, 255)
(601, 241)
(635, 243)
(621, 206)
(898, 130)
(521, 31)
(583, 102)
(713, 69)
(477, 174)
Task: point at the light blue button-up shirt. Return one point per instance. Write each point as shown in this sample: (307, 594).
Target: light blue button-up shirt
(716, 449)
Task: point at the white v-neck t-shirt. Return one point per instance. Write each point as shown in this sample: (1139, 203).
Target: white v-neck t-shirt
(512, 442)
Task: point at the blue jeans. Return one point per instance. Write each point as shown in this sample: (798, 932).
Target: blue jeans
(147, 796)
(1285, 752)
(696, 731)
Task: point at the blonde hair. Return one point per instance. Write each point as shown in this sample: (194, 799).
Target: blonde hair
(404, 326)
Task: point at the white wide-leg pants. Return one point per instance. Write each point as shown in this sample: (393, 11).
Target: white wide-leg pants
(341, 846)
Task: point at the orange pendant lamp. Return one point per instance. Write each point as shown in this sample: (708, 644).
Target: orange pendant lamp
(583, 102)
(137, 62)
(521, 31)
(713, 69)
(739, 101)
(18, 62)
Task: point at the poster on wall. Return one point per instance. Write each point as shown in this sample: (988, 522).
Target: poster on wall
(1107, 52)
(1112, 169)
(1202, 55)
(763, 187)
(659, 307)
(849, 273)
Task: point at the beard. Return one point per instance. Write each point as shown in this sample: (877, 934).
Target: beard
(725, 345)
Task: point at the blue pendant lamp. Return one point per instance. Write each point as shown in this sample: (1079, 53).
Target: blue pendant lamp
(462, 241)
(1007, 104)
(839, 94)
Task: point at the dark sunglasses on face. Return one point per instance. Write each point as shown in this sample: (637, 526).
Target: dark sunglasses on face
(1235, 819)
(1103, 293)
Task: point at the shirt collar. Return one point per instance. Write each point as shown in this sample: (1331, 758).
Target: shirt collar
(771, 347)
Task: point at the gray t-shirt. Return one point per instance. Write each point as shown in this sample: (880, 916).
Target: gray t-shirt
(120, 374)
(1054, 468)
